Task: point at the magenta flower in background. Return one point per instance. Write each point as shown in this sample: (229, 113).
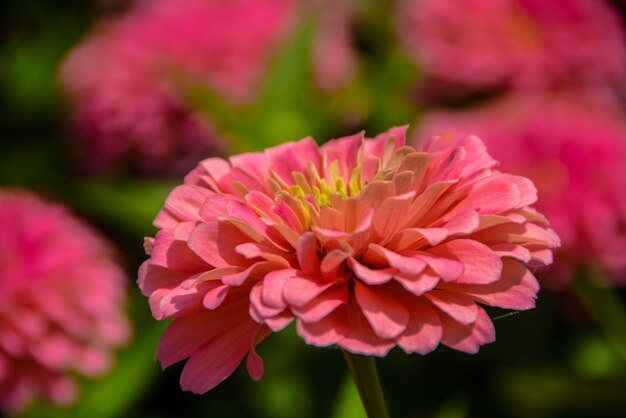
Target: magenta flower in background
(365, 243)
(334, 56)
(128, 80)
(574, 149)
(62, 298)
(489, 43)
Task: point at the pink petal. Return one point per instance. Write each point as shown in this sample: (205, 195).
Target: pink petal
(273, 284)
(542, 256)
(463, 223)
(182, 204)
(252, 250)
(387, 317)
(279, 322)
(517, 289)
(153, 277)
(372, 197)
(517, 252)
(468, 338)
(332, 261)
(254, 363)
(215, 243)
(294, 157)
(344, 151)
(184, 336)
(280, 233)
(213, 274)
(62, 391)
(215, 208)
(423, 204)
(376, 146)
(327, 331)
(216, 168)
(221, 207)
(369, 276)
(288, 216)
(258, 309)
(408, 265)
(182, 301)
(458, 306)
(480, 264)
(423, 332)
(361, 339)
(258, 269)
(298, 207)
(182, 230)
(307, 254)
(301, 289)
(263, 204)
(477, 158)
(369, 168)
(496, 195)
(55, 352)
(174, 254)
(416, 238)
(417, 284)
(242, 173)
(322, 305)
(527, 189)
(446, 268)
(215, 297)
(218, 358)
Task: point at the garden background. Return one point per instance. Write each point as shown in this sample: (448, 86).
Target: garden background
(331, 69)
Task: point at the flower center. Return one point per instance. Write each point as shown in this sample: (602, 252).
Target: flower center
(321, 195)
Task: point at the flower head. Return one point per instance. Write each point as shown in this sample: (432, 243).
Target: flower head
(575, 152)
(364, 243)
(488, 43)
(61, 299)
(133, 112)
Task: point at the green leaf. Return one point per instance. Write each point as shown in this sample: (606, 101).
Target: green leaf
(605, 306)
(284, 100)
(290, 73)
(133, 377)
(128, 205)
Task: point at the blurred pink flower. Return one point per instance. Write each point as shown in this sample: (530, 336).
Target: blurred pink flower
(366, 243)
(487, 43)
(334, 56)
(61, 301)
(129, 79)
(574, 150)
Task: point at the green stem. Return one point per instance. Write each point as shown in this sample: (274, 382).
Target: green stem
(606, 308)
(363, 370)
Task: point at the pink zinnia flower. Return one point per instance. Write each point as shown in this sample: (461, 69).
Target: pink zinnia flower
(365, 243)
(574, 150)
(129, 79)
(487, 43)
(61, 301)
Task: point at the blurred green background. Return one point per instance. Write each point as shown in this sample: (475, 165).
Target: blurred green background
(554, 361)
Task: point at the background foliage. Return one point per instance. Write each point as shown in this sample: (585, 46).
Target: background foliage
(567, 358)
